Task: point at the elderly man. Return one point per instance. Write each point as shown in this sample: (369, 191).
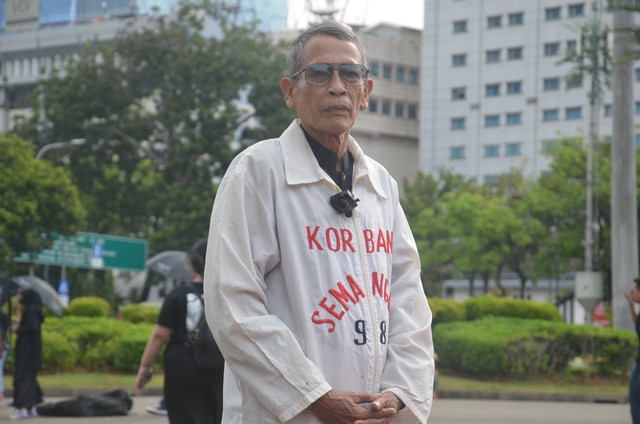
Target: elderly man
(312, 280)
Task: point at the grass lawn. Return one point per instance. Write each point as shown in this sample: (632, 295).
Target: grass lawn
(446, 382)
(90, 381)
(540, 385)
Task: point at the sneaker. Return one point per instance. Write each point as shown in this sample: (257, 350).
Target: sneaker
(20, 414)
(156, 410)
(33, 413)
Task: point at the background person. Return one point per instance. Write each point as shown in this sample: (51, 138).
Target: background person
(28, 354)
(633, 297)
(4, 347)
(312, 282)
(192, 395)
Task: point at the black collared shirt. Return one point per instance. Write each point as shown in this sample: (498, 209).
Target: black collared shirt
(327, 161)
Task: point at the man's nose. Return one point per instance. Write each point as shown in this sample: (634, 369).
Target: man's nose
(336, 85)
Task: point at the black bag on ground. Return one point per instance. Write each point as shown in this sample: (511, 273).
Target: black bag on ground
(200, 341)
(114, 403)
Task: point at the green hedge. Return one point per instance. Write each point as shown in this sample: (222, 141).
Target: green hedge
(492, 306)
(89, 306)
(521, 348)
(138, 313)
(446, 310)
(92, 344)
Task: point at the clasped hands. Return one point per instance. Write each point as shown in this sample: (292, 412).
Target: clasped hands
(338, 407)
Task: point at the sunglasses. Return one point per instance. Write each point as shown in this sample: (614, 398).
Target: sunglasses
(319, 74)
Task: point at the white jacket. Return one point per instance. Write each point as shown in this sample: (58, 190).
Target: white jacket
(302, 299)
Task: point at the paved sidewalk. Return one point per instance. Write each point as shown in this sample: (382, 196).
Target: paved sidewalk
(137, 414)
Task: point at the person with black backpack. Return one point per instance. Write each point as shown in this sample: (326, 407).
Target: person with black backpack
(193, 365)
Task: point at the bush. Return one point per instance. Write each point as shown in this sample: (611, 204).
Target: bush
(58, 353)
(446, 310)
(491, 306)
(136, 313)
(89, 306)
(520, 348)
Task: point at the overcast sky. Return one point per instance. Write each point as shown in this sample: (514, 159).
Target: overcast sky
(409, 13)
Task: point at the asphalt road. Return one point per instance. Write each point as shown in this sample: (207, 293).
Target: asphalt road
(445, 411)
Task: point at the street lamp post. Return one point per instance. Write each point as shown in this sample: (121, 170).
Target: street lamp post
(59, 145)
(41, 152)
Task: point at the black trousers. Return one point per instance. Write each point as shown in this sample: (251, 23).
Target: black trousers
(193, 395)
(26, 391)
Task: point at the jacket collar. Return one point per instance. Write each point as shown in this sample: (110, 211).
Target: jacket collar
(301, 166)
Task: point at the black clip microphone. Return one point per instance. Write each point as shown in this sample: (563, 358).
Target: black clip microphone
(344, 202)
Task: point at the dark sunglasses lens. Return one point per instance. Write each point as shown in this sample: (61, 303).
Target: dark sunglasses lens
(318, 73)
(352, 74)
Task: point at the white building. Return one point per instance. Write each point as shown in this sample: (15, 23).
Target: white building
(494, 95)
(388, 130)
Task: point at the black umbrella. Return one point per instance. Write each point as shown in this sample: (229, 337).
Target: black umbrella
(171, 264)
(48, 295)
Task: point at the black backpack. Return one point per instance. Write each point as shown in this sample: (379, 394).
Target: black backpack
(200, 341)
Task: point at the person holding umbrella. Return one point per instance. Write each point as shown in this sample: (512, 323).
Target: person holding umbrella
(193, 394)
(28, 354)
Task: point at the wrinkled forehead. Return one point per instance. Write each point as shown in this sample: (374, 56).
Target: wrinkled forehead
(322, 48)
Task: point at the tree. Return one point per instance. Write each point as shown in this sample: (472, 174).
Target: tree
(38, 200)
(162, 113)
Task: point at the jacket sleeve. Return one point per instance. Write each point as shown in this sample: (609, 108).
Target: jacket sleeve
(409, 370)
(258, 347)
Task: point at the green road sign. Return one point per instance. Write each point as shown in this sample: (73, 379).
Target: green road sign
(94, 251)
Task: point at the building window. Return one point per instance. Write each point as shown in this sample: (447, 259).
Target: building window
(638, 139)
(399, 109)
(608, 109)
(373, 105)
(492, 121)
(514, 118)
(400, 73)
(572, 113)
(637, 71)
(576, 10)
(491, 151)
(461, 59)
(575, 82)
(514, 53)
(374, 69)
(493, 56)
(637, 108)
(458, 93)
(552, 13)
(571, 45)
(552, 49)
(386, 71)
(492, 90)
(514, 87)
(386, 107)
(550, 115)
(412, 111)
(459, 26)
(551, 84)
(512, 149)
(494, 21)
(413, 76)
(458, 124)
(456, 152)
(516, 19)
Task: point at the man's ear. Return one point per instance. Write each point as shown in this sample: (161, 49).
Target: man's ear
(364, 102)
(287, 85)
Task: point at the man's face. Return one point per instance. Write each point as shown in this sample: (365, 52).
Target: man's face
(330, 110)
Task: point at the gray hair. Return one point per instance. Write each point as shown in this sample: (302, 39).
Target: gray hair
(330, 28)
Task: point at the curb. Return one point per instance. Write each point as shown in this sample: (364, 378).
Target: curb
(540, 397)
(442, 394)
